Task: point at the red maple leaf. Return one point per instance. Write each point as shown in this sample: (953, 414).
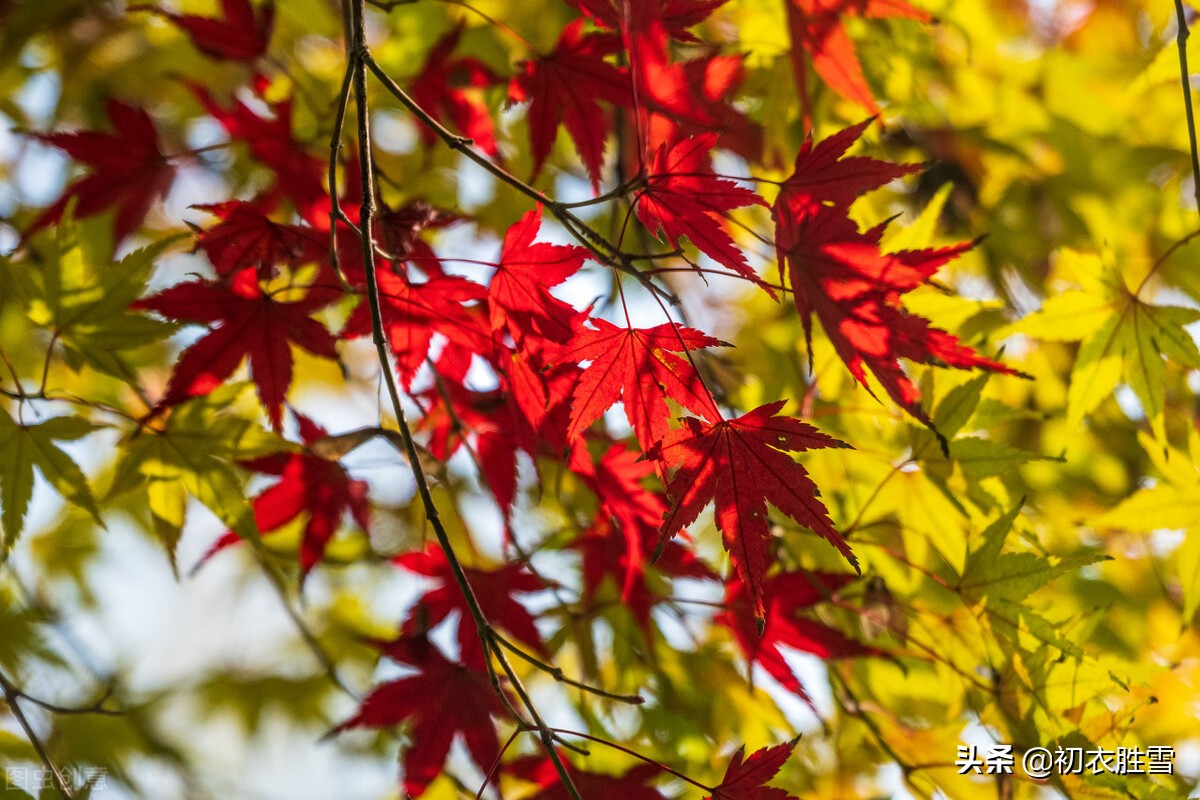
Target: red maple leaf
(620, 540)
(676, 16)
(237, 35)
(450, 87)
(310, 485)
(744, 777)
(760, 634)
(494, 589)
(299, 174)
(442, 700)
(682, 197)
(681, 99)
(630, 785)
(740, 465)
(519, 299)
(527, 412)
(843, 277)
(824, 175)
(816, 29)
(413, 312)
(129, 171)
(637, 366)
(248, 324)
(247, 237)
(566, 87)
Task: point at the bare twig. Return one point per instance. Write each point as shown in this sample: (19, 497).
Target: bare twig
(360, 59)
(12, 696)
(560, 676)
(1181, 38)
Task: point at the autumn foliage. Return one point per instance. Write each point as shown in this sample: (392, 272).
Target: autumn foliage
(556, 267)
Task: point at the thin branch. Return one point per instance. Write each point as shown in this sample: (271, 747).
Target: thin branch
(487, 779)
(335, 145)
(359, 62)
(1181, 38)
(638, 756)
(1163, 259)
(12, 697)
(603, 250)
(560, 676)
(95, 707)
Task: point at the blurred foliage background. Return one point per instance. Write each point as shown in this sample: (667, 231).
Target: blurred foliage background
(1056, 129)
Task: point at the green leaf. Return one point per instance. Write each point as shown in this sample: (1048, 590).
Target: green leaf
(958, 405)
(193, 456)
(28, 446)
(1124, 338)
(85, 299)
(990, 574)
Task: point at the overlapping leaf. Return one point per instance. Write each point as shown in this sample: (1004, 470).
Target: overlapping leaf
(449, 88)
(441, 701)
(248, 324)
(682, 197)
(566, 87)
(28, 446)
(761, 634)
(740, 465)
(495, 589)
(519, 299)
(311, 487)
(842, 275)
(630, 785)
(818, 33)
(637, 366)
(1124, 338)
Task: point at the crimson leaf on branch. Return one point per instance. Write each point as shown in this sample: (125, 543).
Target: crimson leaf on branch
(637, 366)
(519, 300)
(299, 174)
(841, 275)
(823, 174)
(682, 197)
(237, 35)
(676, 16)
(494, 589)
(247, 237)
(784, 596)
(566, 87)
(620, 540)
(449, 87)
(740, 465)
(248, 324)
(413, 312)
(309, 485)
(745, 777)
(129, 171)
(443, 699)
(817, 31)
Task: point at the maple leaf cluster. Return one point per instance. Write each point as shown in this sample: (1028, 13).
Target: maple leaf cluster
(555, 370)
